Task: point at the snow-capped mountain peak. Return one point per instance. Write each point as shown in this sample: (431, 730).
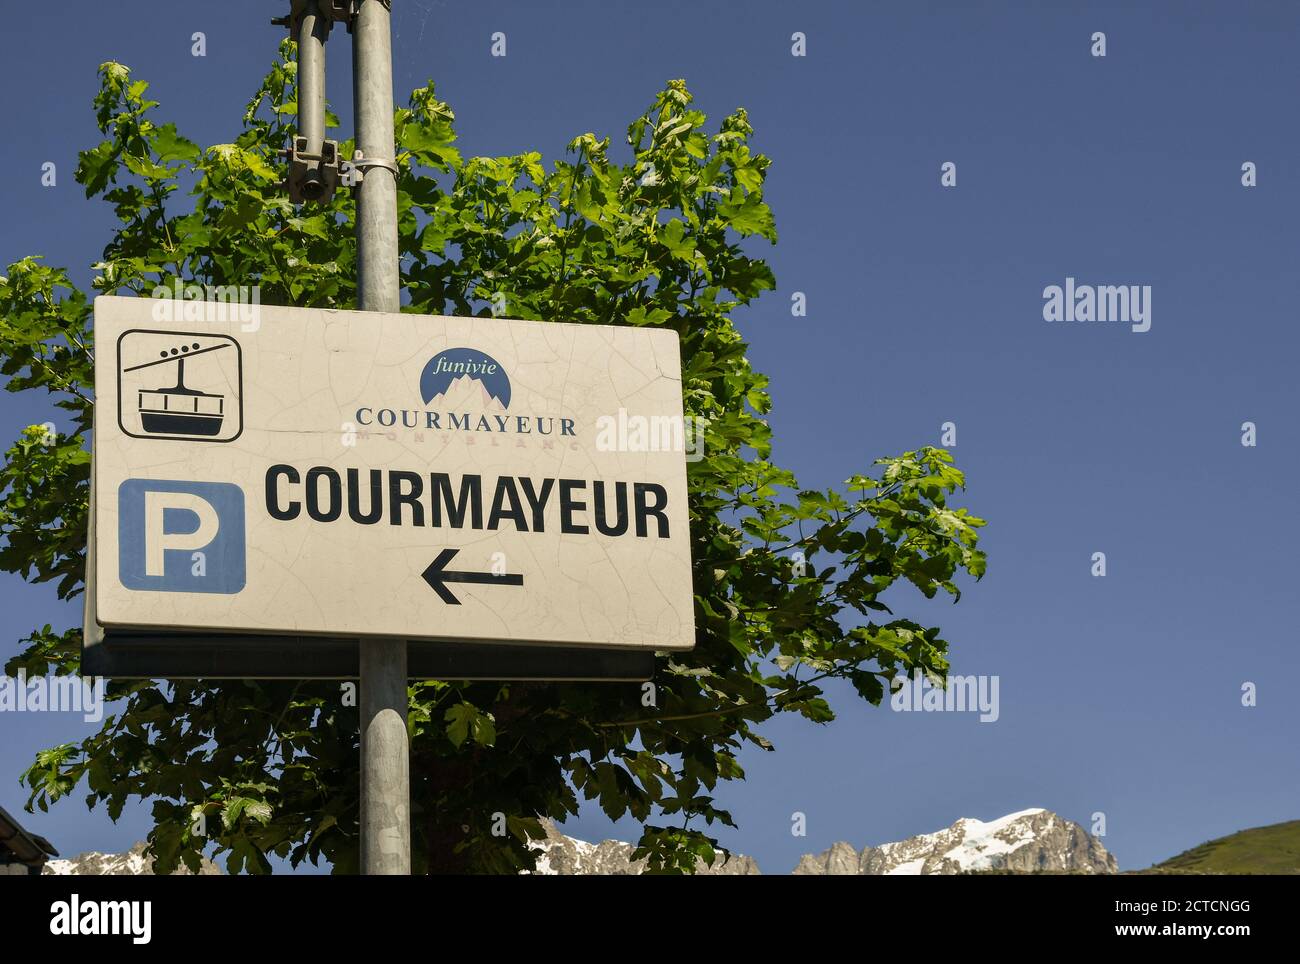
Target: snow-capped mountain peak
(133, 863)
(1025, 841)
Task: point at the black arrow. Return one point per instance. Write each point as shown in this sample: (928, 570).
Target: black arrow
(437, 576)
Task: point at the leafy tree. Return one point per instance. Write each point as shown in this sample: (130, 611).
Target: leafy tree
(788, 582)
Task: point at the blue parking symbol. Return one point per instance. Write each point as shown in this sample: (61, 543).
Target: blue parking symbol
(181, 536)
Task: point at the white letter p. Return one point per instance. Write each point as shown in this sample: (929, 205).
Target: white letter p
(157, 542)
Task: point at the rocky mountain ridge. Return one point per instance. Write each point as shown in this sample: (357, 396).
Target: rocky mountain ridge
(1029, 841)
(133, 863)
(1025, 842)
(562, 855)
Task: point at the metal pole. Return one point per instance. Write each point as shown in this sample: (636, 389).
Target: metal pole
(378, 285)
(385, 759)
(385, 750)
(312, 33)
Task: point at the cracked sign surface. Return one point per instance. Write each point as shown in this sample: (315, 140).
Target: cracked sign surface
(307, 471)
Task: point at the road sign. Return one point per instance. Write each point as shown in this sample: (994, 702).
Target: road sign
(309, 473)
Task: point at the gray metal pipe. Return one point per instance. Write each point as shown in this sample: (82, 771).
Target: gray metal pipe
(312, 33)
(378, 282)
(385, 759)
(385, 749)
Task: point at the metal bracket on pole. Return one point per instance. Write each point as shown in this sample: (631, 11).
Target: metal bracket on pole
(312, 177)
(330, 11)
(342, 11)
(354, 171)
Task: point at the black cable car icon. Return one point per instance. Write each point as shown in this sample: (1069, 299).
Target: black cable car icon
(178, 409)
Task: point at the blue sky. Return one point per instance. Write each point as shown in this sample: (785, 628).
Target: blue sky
(1120, 694)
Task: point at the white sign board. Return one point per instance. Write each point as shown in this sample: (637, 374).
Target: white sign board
(304, 471)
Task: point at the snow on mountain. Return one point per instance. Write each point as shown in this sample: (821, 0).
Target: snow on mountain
(1022, 842)
(565, 856)
(1025, 841)
(133, 863)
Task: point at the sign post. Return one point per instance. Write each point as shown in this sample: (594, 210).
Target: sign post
(385, 749)
(314, 493)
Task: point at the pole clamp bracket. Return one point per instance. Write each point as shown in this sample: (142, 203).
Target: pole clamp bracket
(354, 171)
(342, 11)
(312, 177)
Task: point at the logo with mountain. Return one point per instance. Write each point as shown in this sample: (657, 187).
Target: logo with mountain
(464, 375)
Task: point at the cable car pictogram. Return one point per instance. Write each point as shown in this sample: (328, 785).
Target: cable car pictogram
(178, 409)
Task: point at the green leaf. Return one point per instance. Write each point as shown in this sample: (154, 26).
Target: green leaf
(465, 720)
(170, 146)
(673, 237)
(749, 215)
